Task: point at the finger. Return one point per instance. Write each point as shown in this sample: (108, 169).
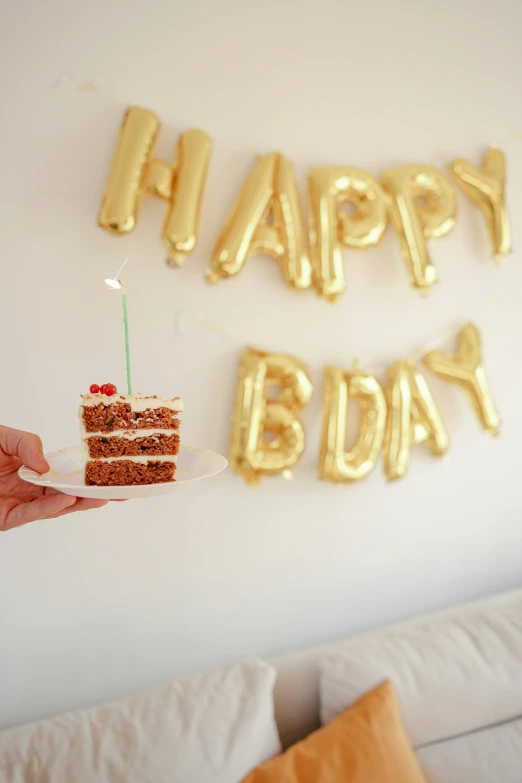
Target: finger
(24, 445)
(13, 513)
(96, 503)
(82, 504)
(85, 504)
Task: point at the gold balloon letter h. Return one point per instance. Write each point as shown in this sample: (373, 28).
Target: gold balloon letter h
(135, 172)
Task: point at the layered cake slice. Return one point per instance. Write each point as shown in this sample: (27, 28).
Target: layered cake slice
(128, 439)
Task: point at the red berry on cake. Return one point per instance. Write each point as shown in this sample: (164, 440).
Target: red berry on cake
(94, 388)
(103, 389)
(110, 389)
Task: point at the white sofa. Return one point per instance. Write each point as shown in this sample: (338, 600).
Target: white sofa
(458, 676)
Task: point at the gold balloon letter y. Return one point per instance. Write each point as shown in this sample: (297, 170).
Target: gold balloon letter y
(485, 188)
(465, 369)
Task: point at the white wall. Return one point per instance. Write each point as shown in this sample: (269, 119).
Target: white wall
(94, 606)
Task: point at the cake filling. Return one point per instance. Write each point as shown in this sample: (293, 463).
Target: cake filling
(120, 416)
(116, 446)
(125, 473)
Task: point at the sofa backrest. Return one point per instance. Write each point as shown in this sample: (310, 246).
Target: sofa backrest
(482, 641)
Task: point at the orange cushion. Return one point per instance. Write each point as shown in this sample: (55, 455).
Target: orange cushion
(366, 744)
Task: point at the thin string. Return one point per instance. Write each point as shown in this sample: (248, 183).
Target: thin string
(378, 370)
(437, 341)
(185, 320)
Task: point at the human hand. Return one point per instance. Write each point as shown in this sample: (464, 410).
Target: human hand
(21, 502)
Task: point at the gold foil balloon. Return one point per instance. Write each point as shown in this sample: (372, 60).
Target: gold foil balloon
(465, 368)
(422, 206)
(335, 464)
(331, 229)
(269, 192)
(412, 418)
(135, 172)
(485, 188)
(255, 416)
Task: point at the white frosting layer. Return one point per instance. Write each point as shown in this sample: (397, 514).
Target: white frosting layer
(138, 402)
(143, 460)
(130, 434)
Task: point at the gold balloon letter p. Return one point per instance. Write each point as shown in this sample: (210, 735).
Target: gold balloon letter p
(422, 206)
(135, 172)
(255, 416)
(331, 229)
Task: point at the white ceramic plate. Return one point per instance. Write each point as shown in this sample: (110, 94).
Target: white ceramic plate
(66, 475)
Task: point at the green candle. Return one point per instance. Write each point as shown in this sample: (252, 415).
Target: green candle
(127, 348)
(116, 284)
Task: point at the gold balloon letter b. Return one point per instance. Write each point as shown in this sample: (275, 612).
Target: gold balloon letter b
(334, 463)
(255, 416)
(135, 172)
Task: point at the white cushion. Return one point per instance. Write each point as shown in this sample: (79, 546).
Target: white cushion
(454, 673)
(211, 728)
(492, 755)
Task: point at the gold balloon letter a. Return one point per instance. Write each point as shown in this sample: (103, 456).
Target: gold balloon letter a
(270, 190)
(339, 387)
(412, 418)
(485, 187)
(255, 416)
(422, 206)
(134, 172)
(330, 228)
(465, 369)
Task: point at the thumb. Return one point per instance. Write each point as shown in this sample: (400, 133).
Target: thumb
(24, 445)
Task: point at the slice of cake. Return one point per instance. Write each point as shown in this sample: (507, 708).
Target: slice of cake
(128, 439)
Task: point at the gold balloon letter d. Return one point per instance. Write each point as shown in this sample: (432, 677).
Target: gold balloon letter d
(334, 463)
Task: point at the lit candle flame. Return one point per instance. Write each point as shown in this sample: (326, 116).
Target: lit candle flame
(115, 282)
